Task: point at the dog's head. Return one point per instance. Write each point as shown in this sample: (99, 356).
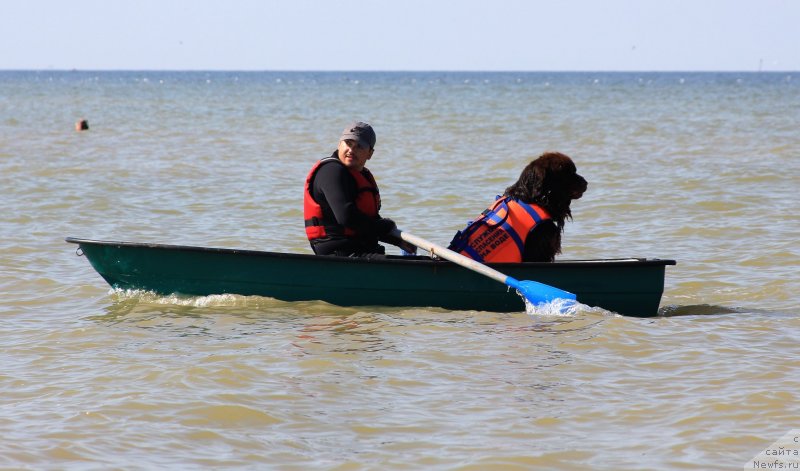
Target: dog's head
(552, 182)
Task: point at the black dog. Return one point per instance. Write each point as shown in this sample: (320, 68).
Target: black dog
(551, 182)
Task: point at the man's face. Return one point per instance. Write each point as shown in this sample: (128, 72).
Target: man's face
(354, 156)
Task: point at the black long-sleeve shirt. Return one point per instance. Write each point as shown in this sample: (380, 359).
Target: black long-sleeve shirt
(336, 191)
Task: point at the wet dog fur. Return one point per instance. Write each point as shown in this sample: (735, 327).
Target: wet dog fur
(552, 182)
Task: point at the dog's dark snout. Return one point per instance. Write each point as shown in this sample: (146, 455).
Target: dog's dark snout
(579, 186)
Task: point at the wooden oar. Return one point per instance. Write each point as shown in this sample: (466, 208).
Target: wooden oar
(533, 291)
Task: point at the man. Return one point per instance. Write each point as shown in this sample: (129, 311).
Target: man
(341, 203)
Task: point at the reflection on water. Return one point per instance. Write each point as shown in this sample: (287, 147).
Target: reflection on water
(699, 310)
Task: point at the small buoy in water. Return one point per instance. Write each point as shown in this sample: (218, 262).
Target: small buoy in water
(82, 125)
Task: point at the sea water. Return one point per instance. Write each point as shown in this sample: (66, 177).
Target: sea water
(697, 167)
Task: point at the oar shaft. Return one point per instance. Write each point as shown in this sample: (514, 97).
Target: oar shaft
(533, 291)
(454, 257)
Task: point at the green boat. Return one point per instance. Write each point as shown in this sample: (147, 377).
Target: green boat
(631, 287)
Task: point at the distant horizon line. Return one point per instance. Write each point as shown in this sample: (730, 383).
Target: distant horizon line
(402, 71)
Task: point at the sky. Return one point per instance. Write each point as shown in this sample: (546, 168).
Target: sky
(410, 35)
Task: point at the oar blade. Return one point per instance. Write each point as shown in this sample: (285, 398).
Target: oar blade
(538, 293)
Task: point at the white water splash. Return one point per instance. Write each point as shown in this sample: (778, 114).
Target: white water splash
(559, 308)
(214, 300)
(556, 308)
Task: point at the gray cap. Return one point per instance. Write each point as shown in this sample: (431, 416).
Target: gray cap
(360, 132)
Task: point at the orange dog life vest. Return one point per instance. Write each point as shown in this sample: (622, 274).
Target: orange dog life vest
(499, 233)
(368, 201)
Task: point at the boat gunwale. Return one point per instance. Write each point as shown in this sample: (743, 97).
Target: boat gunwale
(390, 259)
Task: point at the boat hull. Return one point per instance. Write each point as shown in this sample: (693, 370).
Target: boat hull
(631, 286)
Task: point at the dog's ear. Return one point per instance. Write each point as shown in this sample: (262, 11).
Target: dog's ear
(550, 173)
(533, 179)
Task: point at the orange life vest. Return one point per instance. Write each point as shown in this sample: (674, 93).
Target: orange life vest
(368, 201)
(499, 233)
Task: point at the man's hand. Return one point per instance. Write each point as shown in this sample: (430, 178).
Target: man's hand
(407, 247)
(385, 226)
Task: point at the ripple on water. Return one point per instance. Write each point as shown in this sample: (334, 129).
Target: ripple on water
(683, 170)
